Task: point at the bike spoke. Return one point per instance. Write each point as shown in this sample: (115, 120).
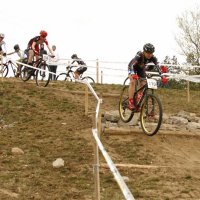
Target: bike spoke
(125, 113)
(151, 115)
(43, 75)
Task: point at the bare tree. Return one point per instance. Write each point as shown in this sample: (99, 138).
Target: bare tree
(188, 37)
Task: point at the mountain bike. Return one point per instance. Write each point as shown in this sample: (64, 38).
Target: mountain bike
(69, 75)
(9, 65)
(6, 67)
(149, 105)
(42, 77)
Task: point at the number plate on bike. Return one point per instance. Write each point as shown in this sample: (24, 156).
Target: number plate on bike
(152, 83)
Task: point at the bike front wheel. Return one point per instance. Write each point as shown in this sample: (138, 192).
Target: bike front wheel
(151, 114)
(4, 70)
(126, 81)
(125, 113)
(63, 77)
(89, 79)
(43, 75)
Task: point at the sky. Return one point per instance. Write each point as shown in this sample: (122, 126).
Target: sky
(108, 30)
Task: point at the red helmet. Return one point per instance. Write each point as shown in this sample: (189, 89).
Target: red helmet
(43, 34)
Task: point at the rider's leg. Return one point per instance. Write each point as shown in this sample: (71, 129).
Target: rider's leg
(131, 92)
(30, 56)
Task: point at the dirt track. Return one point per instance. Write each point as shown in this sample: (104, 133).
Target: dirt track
(48, 124)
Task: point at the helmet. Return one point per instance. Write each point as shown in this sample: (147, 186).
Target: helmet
(149, 48)
(16, 47)
(43, 34)
(2, 35)
(74, 56)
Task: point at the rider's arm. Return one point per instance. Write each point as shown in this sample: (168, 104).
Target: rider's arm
(11, 53)
(134, 62)
(50, 50)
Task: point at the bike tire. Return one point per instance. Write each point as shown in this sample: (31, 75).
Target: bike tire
(124, 112)
(42, 77)
(25, 74)
(89, 79)
(63, 77)
(5, 70)
(151, 114)
(126, 81)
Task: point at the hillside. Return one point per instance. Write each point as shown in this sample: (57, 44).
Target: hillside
(49, 123)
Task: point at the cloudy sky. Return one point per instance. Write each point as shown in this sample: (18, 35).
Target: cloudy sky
(112, 30)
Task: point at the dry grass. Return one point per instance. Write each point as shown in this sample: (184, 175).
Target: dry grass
(48, 123)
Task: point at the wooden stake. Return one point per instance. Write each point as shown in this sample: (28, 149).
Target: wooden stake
(86, 100)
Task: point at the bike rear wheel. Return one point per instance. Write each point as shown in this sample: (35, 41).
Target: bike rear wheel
(89, 79)
(43, 75)
(151, 114)
(125, 113)
(4, 70)
(63, 77)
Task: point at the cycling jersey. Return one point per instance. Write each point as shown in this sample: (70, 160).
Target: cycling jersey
(21, 54)
(3, 47)
(137, 64)
(79, 61)
(37, 41)
(80, 70)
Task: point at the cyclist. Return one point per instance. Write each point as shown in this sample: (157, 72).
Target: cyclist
(2, 45)
(33, 46)
(22, 57)
(81, 69)
(136, 69)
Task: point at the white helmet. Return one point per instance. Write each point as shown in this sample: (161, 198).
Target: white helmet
(2, 35)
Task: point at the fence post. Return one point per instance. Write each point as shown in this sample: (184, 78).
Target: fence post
(97, 70)
(96, 162)
(86, 100)
(101, 77)
(188, 91)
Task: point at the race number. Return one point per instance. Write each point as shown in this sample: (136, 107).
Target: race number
(152, 83)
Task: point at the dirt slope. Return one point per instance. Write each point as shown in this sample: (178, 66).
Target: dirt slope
(50, 123)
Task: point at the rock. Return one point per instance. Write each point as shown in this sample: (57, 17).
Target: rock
(126, 179)
(112, 116)
(165, 117)
(181, 121)
(17, 151)
(193, 125)
(59, 162)
(178, 120)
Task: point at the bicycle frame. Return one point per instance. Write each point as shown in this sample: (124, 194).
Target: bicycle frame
(144, 90)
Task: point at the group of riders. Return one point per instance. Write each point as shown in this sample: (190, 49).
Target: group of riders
(32, 52)
(136, 67)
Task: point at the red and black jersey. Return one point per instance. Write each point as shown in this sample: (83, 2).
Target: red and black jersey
(37, 41)
(139, 61)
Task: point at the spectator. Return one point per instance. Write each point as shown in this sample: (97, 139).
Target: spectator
(42, 50)
(53, 68)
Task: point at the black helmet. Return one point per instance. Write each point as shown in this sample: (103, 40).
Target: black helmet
(149, 48)
(16, 47)
(74, 56)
